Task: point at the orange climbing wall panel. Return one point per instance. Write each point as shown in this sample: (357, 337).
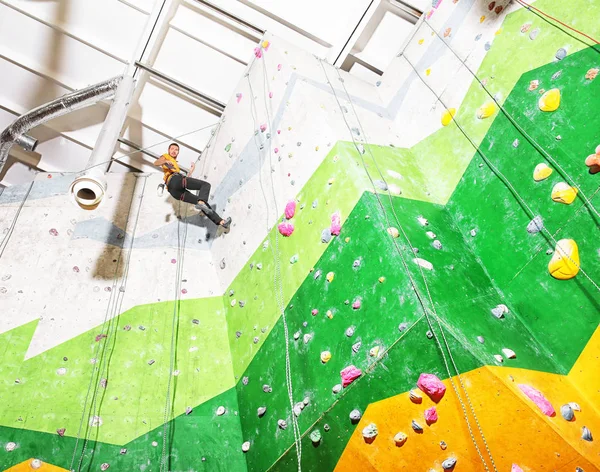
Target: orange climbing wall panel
(515, 429)
(25, 466)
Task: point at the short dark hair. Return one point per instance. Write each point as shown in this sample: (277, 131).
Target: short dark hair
(173, 144)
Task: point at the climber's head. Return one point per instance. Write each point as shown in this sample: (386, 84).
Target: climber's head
(174, 150)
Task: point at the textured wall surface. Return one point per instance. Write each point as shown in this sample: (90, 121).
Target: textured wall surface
(137, 333)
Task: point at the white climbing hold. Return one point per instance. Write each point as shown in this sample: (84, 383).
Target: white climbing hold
(297, 335)
(307, 337)
(422, 221)
(282, 424)
(393, 232)
(61, 371)
(499, 358)
(431, 234)
(10, 446)
(305, 401)
(437, 244)
(509, 353)
(356, 347)
(370, 431)
(473, 232)
(355, 415)
(535, 225)
(298, 407)
(480, 339)
(423, 263)
(575, 406)
(261, 411)
(499, 311)
(36, 464)
(221, 411)
(246, 446)
(337, 388)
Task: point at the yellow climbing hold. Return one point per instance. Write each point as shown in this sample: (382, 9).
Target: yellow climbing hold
(427, 71)
(316, 148)
(486, 110)
(550, 101)
(421, 41)
(347, 240)
(447, 116)
(541, 172)
(329, 314)
(498, 32)
(265, 44)
(374, 352)
(325, 356)
(331, 181)
(394, 233)
(564, 264)
(381, 280)
(564, 193)
(330, 277)
(482, 19)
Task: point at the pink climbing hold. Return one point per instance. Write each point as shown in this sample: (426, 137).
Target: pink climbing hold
(100, 337)
(238, 97)
(53, 232)
(173, 261)
(276, 150)
(258, 52)
(349, 375)
(356, 304)
(515, 468)
(432, 386)
(279, 66)
(270, 94)
(431, 415)
(184, 290)
(286, 229)
(539, 399)
(315, 312)
(290, 209)
(263, 127)
(336, 225)
(278, 131)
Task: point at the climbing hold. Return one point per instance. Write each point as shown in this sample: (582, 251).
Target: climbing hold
(480, 339)
(315, 436)
(499, 358)
(307, 337)
(427, 72)
(350, 331)
(515, 143)
(356, 304)
(329, 314)
(61, 432)
(400, 438)
(432, 386)
(550, 101)
(586, 434)
(294, 259)
(473, 233)
(349, 375)
(282, 424)
(314, 312)
(431, 415)
(541, 172)
(296, 335)
(575, 406)
(416, 427)
(221, 411)
(536, 225)
(437, 244)
(509, 353)
(402, 326)
(246, 446)
(534, 33)
(356, 347)
(487, 46)
(499, 311)
(330, 276)
(423, 263)
(429, 334)
(238, 97)
(233, 302)
(393, 232)
(10, 446)
(533, 85)
(538, 398)
(431, 234)
(370, 432)
(325, 356)
(486, 110)
(449, 464)
(267, 388)
(188, 410)
(415, 396)
(298, 407)
(356, 263)
(381, 279)
(355, 416)
(317, 274)
(561, 54)
(286, 229)
(515, 468)
(290, 209)
(228, 147)
(326, 427)
(592, 73)
(336, 225)
(337, 388)
(326, 235)
(567, 412)
(374, 351)
(422, 221)
(564, 264)
(447, 116)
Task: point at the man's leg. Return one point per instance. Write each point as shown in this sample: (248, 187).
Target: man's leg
(200, 185)
(201, 201)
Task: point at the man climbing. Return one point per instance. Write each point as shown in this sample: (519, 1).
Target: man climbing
(179, 186)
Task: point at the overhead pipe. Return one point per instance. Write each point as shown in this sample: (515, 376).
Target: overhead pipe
(16, 132)
(88, 190)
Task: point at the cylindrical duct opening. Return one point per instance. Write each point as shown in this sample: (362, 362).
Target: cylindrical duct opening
(29, 143)
(87, 191)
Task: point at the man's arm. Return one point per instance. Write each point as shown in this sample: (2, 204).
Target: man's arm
(160, 161)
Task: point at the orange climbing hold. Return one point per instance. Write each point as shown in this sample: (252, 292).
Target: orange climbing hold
(593, 161)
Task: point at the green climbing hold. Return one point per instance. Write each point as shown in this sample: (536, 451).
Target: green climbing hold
(228, 147)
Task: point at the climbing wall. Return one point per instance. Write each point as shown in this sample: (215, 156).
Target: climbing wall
(410, 277)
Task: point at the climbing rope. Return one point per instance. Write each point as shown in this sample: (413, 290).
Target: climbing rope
(405, 265)
(11, 228)
(277, 280)
(107, 325)
(519, 128)
(507, 183)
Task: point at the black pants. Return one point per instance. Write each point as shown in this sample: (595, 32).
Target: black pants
(179, 187)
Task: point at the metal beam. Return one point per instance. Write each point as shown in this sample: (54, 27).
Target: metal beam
(407, 8)
(210, 102)
(232, 17)
(137, 147)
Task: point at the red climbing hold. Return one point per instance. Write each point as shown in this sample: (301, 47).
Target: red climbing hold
(349, 375)
(432, 386)
(431, 415)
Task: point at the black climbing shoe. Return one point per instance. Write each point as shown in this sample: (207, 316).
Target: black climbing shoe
(226, 225)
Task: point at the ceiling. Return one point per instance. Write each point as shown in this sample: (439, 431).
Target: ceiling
(190, 55)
